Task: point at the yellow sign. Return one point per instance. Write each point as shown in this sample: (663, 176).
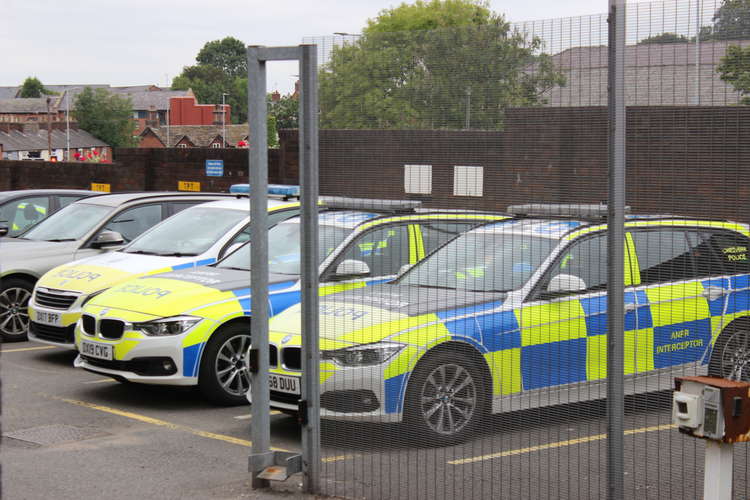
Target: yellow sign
(188, 186)
(104, 188)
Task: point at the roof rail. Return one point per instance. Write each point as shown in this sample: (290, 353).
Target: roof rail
(583, 210)
(393, 206)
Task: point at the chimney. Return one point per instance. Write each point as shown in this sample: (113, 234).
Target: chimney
(275, 97)
(153, 117)
(218, 114)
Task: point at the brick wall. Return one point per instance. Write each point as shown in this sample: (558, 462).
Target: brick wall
(136, 169)
(683, 160)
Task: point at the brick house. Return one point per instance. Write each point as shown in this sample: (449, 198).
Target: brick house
(193, 136)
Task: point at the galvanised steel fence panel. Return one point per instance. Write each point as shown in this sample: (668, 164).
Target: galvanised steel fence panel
(463, 304)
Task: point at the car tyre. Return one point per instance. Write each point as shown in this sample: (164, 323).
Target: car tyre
(224, 376)
(730, 357)
(15, 294)
(446, 399)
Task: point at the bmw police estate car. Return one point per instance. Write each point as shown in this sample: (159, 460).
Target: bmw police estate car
(513, 315)
(191, 326)
(194, 237)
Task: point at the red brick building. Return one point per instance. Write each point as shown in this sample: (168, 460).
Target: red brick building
(185, 110)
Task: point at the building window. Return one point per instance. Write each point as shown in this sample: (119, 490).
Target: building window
(418, 179)
(215, 144)
(468, 181)
(182, 145)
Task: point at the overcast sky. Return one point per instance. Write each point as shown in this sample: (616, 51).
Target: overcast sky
(137, 42)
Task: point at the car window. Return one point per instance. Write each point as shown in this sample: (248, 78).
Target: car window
(384, 250)
(730, 250)
(284, 247)
(66, 200)
(68, 224)
(23, 213)
(664, 255)
(179, 206)
(273, 219)
(585, 259)
(134, 221)
(190, 232)
(482, 262)
(436, 234)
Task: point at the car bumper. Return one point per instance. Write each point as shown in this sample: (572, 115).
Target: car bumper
(145, 360)
(53, 326)
(349, 394)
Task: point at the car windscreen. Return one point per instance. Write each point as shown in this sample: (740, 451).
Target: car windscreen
(68, 224)
(284, 247)
(482, 262)
(189, 232)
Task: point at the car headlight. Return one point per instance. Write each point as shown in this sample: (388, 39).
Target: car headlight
(363, 355)
(167, 326)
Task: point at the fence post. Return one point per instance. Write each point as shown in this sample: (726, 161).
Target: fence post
(615, 253)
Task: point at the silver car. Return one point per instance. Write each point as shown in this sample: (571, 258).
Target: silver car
(81, 229)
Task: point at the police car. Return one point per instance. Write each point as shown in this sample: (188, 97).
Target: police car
(513, 315)
(191, 327)
(193, 237)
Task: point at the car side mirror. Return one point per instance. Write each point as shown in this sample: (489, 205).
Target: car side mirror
(108, 239)
(351, 268)
(566, 283)
(404, 268)
(231, 248)
(4, 230)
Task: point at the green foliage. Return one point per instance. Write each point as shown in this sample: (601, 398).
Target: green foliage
(221, 69)
(107, 116)
(227, 54)
(735, 70)
(32, 87)
(434, 64)
(285, 111)
(664, 38)
(732, 20)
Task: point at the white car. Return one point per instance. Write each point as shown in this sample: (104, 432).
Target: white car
(195, 236)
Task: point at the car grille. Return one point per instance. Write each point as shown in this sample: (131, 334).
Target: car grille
(273, 356)
(291, 358)
(147, 367)
(283, 397)
(111, 328)
(62, 335)
(54, 299)
(88, 324)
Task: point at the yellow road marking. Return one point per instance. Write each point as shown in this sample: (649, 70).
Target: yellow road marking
(156, 421)
(558, 444)
(30, 348)
(250, 415)
(100, 381)
(337, 458)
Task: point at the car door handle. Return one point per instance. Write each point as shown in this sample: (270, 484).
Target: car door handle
(629, 307)
(713, 292)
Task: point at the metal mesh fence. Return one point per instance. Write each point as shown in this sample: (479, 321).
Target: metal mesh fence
(463, 326)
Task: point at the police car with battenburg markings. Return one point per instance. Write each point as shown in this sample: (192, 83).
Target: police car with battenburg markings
(89, 226)
(191, 327)
(513, 315)
(193, 237)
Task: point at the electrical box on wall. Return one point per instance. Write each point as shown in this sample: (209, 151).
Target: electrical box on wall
(712, 408)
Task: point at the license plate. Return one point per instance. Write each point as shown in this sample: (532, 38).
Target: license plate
(49, 318)
(96, 350)
(284, 383)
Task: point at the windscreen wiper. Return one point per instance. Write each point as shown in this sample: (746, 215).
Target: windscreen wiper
(175, 254)
(58, 240)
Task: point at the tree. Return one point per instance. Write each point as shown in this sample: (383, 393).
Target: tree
(664, 38)
(735, 70)
(32, 87)
(732, 20)
(221, 69)
(106, 116)
(227, 54)
(285, 111)
(436, 64)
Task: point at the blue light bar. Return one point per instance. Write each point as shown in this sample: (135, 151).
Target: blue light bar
(273, 189)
